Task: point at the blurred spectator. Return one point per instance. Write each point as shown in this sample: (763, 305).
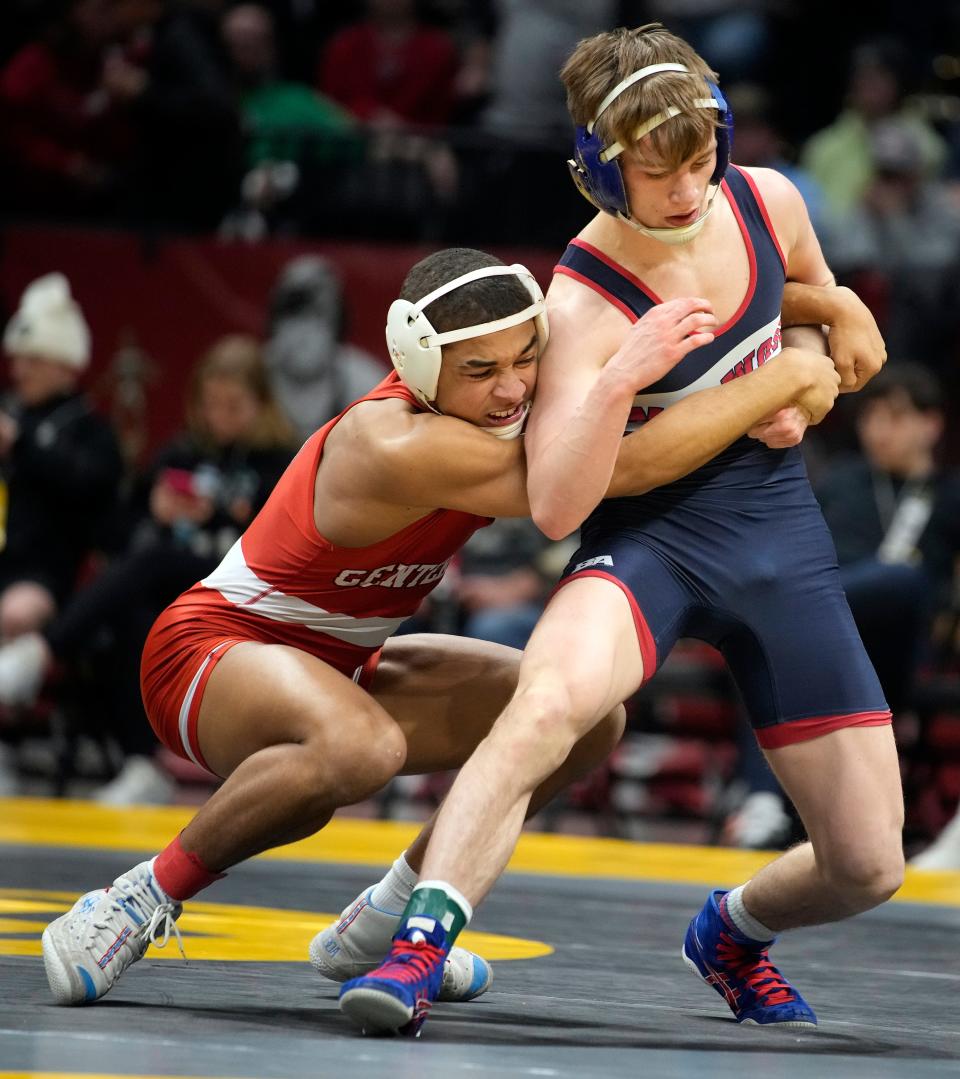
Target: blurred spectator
(511, 184)
(313, 371)
(202, 491)
(903, 239)
(504, 581)
(66, 140)
(171, 71)
(279, 115)
(300, 24)
(734, 38)
(841, 155)
(60, 462)
(390, 69)
(895, 519)
(59, 466)
(759, 143)
(533, 40)
(289, 127)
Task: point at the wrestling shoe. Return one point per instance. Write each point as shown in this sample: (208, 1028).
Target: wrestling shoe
(87, 949)
(358, 943)
(740, 971)
(398, 995)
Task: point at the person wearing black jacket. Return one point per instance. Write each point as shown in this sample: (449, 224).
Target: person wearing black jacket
(60, 467)
(59, 459)
(202, 490)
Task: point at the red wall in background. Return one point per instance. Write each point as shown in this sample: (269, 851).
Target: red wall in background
(176, 296)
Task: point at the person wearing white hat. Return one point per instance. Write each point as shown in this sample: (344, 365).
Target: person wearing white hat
(59, 461)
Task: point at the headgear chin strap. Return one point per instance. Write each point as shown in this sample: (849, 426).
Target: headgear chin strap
(596, 171)
(416, 348)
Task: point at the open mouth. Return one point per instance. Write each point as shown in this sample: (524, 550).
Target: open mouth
(505, 416)
(679, 220)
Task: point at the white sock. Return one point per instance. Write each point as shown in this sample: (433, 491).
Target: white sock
(744, 920)
(391, 894)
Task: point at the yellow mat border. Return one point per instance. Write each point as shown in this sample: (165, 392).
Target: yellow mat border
(353, 841)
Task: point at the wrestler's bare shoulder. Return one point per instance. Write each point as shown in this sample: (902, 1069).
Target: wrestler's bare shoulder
(577, 312)
(780, 196)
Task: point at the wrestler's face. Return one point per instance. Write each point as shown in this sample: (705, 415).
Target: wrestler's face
(663, 199)
(488, 380)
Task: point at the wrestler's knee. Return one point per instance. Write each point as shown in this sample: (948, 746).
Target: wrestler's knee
(866, 874)
(356, 764)
(541, 727)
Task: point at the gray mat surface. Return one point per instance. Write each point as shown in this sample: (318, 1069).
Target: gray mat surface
(613, 1000)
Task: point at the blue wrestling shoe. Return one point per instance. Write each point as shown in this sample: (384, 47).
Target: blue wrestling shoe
(398, 995)
(740, 971)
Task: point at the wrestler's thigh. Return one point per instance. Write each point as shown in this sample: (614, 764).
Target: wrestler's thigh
(586, 647)
(261, 695)
(444, 692)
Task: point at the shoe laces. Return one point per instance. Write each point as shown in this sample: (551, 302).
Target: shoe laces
(158, 920)
(757, 972)
(163, 919)
(411, 962)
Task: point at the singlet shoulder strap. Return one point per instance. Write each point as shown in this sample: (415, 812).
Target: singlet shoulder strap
(590, 266)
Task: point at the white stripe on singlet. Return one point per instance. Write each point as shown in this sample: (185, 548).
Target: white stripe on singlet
(238, 584)
(745, 347)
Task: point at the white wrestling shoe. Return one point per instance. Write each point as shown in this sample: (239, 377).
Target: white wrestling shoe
(87, 949)
(361, 940)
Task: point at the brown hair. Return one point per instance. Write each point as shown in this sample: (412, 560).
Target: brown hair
(239, 358)
(598, 63)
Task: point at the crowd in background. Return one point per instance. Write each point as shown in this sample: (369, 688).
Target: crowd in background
(445, 122)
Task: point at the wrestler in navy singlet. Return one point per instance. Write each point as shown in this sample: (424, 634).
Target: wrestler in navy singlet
(737, 553)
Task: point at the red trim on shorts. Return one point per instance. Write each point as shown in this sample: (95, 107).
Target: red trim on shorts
(212, 659)
(368, 669)
(591, 284)
(804, 730)
(648, 650)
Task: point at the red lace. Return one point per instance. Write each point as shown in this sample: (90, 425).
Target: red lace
(756, 970)
(411, 962)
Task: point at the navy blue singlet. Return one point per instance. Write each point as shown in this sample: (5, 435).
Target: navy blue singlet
(737, 553)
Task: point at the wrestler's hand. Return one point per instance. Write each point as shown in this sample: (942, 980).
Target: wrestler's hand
(818, 385)
(856, 346)
(657, 342)
(781, 430)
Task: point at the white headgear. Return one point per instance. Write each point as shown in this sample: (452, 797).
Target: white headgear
(416, 347)
(49, 323)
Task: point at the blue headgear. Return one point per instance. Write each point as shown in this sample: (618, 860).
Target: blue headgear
(594, 167)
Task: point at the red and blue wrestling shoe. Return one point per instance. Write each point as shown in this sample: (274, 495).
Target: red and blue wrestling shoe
(398, 995)
(741, 972)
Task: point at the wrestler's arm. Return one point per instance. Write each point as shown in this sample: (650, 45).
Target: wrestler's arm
(694, 430)
(589, 375)
(812, 298)
(440, 462)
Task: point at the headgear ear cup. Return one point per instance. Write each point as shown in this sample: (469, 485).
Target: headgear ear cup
(600, 180)
(724, 134)
(415, 347)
